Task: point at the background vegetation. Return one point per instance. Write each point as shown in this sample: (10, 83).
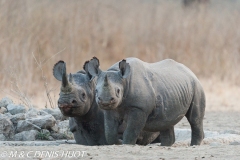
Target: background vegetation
(205, 37)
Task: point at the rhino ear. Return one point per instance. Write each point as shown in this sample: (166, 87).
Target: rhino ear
(58, 70)
(85, 67)
(93, 67)
(124, 68)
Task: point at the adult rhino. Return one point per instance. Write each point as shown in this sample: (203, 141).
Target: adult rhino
(154, 96)
(77, 101)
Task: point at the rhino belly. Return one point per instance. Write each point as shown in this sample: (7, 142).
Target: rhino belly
(157, 124)
(165, 115)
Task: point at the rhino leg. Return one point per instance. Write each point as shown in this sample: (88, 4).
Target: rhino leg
(78, 136)
(135, 124)
(195, 116)
(148, 137)
(167, 137)
(197, 133)
(111, 125)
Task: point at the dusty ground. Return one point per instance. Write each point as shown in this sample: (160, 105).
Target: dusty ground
(222, 115)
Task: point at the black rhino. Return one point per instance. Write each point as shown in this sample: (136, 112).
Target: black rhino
(77, 100)
(154, 96)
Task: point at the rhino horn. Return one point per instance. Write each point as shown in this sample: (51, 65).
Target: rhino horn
(70, 78)
(106, 81)
(65, 83)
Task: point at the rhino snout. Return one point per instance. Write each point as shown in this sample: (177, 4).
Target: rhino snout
(63, 105)
(102, 102)
(71, 102)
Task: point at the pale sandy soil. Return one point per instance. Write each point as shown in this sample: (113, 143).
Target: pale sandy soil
(222, 115)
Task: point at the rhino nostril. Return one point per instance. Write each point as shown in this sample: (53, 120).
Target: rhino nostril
(74, 102)
(112, 100)
(100, 100)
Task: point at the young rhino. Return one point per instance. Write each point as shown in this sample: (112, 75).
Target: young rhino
(77, 101)
(154, 96)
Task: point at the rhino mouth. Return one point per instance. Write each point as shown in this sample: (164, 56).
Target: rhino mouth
(107, 107)
(67, 108)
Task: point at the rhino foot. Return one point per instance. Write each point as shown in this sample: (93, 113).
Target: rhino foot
(167, 137)
(197, 134)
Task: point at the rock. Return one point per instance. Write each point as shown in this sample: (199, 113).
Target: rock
(29, 144)
(43, 113)
(5, 102)
(49, 111)
(63, 126)
(31, 113)
(3, 110)
(56, 113)
(55, 128)
(58, 136)
(50, 138)
(40, 122)
(25, 125)
(2, 137)
(44, 122)
(17, 117)
(6, 127)
(8, 115)
(64, 129)
(15, 109)
(26, 136)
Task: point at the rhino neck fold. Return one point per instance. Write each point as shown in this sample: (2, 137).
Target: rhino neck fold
(126, 87)
(91, 115)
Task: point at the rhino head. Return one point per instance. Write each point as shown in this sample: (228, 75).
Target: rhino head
(110, 84)
(77, 90)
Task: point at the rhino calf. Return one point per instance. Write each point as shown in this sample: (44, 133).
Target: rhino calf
(76, 100)
(154, 96)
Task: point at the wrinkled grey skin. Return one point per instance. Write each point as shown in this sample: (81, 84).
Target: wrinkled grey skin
(77, 100)
(154, 96)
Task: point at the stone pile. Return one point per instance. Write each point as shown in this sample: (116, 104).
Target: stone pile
(17, 123)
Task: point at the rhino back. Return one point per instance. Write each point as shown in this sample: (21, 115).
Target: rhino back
(164, 89)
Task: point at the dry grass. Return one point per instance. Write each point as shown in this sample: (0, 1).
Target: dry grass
(205, 38)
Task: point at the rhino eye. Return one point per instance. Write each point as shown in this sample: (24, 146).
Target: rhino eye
(118, 91)
(83, 95)
(96, 91)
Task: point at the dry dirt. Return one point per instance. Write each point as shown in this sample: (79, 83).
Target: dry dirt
(221, 125)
